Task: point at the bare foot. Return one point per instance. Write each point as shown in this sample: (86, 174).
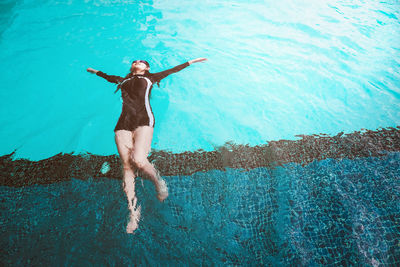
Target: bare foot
(133, 223)
(162, 189)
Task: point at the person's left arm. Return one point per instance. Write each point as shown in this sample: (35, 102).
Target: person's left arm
(157, 77)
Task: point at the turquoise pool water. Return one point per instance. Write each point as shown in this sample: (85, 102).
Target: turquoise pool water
(275, 70)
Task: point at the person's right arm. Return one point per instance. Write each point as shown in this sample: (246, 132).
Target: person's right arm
(110, 78)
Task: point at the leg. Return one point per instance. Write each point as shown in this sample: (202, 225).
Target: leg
(142, 137)
(124, 142)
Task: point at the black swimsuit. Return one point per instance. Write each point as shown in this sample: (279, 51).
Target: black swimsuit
(136, 89)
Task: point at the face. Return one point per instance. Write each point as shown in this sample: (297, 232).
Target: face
(139, 65)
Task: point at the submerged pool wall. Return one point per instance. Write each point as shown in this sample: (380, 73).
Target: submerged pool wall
(366, 143)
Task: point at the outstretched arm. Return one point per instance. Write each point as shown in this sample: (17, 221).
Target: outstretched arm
(161, 75)
(110, 78)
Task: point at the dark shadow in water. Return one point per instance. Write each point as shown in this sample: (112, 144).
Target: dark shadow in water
(63, 167)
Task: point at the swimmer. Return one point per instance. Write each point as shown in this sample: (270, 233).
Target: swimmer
(134, 129)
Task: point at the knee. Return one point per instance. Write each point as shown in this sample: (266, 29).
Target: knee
(139, 163)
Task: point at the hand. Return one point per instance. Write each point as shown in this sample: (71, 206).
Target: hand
(92, 70)
(200, 59)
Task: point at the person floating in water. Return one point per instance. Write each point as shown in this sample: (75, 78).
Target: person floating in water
(134, 129)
